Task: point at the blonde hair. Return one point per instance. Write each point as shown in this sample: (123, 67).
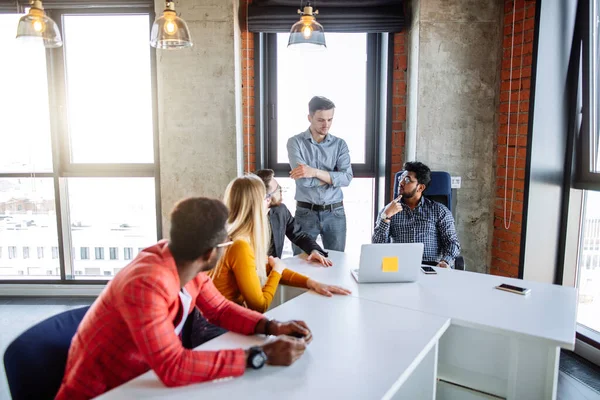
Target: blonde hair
(244, 197)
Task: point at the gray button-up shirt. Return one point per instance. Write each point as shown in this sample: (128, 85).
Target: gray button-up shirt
(330, 155)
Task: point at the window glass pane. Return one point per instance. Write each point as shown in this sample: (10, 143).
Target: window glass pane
(109, 88)
(27, 223)
(358, 203)
(596, 88)
(340, 74)
(24, 111)
(110, 212)
(588, 310)
(114, 253)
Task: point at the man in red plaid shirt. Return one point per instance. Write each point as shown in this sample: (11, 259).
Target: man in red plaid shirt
(137, 322)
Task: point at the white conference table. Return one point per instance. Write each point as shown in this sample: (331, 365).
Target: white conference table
(500, 343)
(361, 350)
(397, 340)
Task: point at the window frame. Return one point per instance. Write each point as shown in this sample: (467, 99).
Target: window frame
(62, 167)
(588, 136)
(378, 121)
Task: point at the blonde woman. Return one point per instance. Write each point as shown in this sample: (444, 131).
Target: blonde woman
(245, 274)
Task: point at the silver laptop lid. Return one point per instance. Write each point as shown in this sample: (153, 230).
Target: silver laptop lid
(390, 262)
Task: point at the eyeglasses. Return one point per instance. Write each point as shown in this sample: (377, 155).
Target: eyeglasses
(278, 188)
(224, 244)
(406, 179)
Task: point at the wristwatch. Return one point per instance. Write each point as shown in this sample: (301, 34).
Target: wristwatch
(256, 358)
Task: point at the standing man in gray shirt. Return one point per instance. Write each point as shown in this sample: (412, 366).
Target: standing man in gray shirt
(321, 166)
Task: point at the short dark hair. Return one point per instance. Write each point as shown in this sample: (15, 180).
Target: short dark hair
(266, 175)
(197, 225)
(319, 103)
(422, 171)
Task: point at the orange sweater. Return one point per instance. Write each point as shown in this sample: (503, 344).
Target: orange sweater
(237, 280)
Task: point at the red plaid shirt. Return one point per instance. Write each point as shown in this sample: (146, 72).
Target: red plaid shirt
(130, 329)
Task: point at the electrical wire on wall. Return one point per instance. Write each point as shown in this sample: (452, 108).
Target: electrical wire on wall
(246, 63)
(507, 221)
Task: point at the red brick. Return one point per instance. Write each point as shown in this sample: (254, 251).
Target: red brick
(399, 88)
(400, 113)
(530, 11)
(508, 18)
(399, 75)
(400, 62)
(399, 100)
(529, 24)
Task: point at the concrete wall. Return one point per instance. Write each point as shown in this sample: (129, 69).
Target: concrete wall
(197, 107)
(458, 46)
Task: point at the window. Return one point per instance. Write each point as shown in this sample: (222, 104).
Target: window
(114, 253)
(99, 253)
(25, 252)
(588, 310)
(93, 155)
(107, 273)
(588, 149)
(0, 252)
(12, 252)
(344, 61)
(297, 77)
(92, 272)
(128, 253)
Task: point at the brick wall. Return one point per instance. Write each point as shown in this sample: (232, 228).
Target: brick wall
(248, 91)
(506, 242)
(399, 103)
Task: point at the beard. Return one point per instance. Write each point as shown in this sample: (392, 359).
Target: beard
(211, 265)
(408, 195)
(276, 201)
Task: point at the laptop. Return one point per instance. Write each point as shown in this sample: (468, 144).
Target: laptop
(389, 262)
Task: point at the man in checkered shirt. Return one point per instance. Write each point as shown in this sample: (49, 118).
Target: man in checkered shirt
(412, 218)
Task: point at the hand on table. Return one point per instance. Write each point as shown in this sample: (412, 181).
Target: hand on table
(317, 257)
(284, 350)
(326, 290)
(297, 329)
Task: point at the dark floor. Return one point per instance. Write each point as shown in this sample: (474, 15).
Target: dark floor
(578, 379)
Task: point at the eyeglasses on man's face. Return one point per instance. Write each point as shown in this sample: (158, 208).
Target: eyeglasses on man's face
(405, 178)
(278, 188)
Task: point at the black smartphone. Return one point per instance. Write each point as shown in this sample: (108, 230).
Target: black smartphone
(428, 270)
(513, 289)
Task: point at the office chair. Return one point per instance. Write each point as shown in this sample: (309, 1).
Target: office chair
(35, 361)
(439, 190)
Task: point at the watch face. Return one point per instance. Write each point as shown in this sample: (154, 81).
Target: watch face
(258, 360)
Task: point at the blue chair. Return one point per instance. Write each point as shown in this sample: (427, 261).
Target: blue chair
(440, 190)
(35, 361)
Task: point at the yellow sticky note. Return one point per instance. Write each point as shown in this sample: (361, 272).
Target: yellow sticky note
(390, 264)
